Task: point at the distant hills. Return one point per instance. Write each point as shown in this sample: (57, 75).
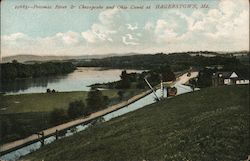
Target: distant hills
(34, 58)
(26, 58)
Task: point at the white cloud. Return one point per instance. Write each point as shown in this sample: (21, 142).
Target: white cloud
(68, 38)
(227, 7)
(14, 37)
(112, 27)
(109, 22)
(131, 27)
(89, 36)
(149, 26)
(164, 32)
(107, 17)
(20, 43)
(222, 28)
(130, 37)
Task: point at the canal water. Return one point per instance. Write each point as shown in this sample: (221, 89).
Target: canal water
(149, 99)
(79, 80)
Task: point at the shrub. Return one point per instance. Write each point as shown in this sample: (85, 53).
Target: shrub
(96, 101)
(58, 116)
(76, 109)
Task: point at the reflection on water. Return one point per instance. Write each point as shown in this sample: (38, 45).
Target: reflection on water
(79, 80)
(23, 84)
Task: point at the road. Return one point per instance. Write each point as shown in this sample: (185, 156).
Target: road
(183, 79)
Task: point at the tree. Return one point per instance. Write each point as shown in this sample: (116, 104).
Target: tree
(14, 61)
(58, 116)
(125, 82)
(205, 77)
(76, 109)
(120, 94)
(48, 90)
(166, 73)
(10, 71)
(5, 127)
(95, 100)
(106, 101)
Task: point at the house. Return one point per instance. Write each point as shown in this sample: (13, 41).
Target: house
(228, 78)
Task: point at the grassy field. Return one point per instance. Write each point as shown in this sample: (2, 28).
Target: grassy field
(44, 102)
(211, 124)
(29, 113)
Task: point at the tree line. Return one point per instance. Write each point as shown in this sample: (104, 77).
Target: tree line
(16, 70)
(136, 80)
(177, 61)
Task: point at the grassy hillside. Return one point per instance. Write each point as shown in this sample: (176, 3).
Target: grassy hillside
(212, 124)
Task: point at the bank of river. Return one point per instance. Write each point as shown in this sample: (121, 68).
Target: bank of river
(79, 80)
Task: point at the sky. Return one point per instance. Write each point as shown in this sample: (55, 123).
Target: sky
(40, 28)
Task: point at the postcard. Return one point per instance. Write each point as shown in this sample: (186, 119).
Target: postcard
(129, 80)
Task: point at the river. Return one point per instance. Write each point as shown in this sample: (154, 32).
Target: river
(79, 80)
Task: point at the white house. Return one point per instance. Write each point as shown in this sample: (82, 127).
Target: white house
(228, 78)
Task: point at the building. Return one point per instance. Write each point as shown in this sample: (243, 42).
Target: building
(228, 78)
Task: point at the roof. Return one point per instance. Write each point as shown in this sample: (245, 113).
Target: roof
(225, 75)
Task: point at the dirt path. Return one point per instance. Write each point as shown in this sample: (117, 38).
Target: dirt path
(186, 77)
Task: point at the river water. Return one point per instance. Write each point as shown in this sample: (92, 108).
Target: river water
(79, 80)
(149, 99)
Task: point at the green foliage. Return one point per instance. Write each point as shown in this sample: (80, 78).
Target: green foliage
(120, 94)
(14, 70)
(165, 72)
(76, 109)
(58, 116)
(20, 125)
(125, 81)
(96, 101)
(177, 61)
(205, 77)
(136, 80)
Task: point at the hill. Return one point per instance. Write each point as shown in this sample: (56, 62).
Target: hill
(26, 58)
(211, 124)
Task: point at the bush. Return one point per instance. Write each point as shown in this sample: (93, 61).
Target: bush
(96, 101)
(125, 82)
(76, 109)
(58, 116)
(120, 94)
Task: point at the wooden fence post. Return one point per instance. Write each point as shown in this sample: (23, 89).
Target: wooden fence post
(56, 134)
